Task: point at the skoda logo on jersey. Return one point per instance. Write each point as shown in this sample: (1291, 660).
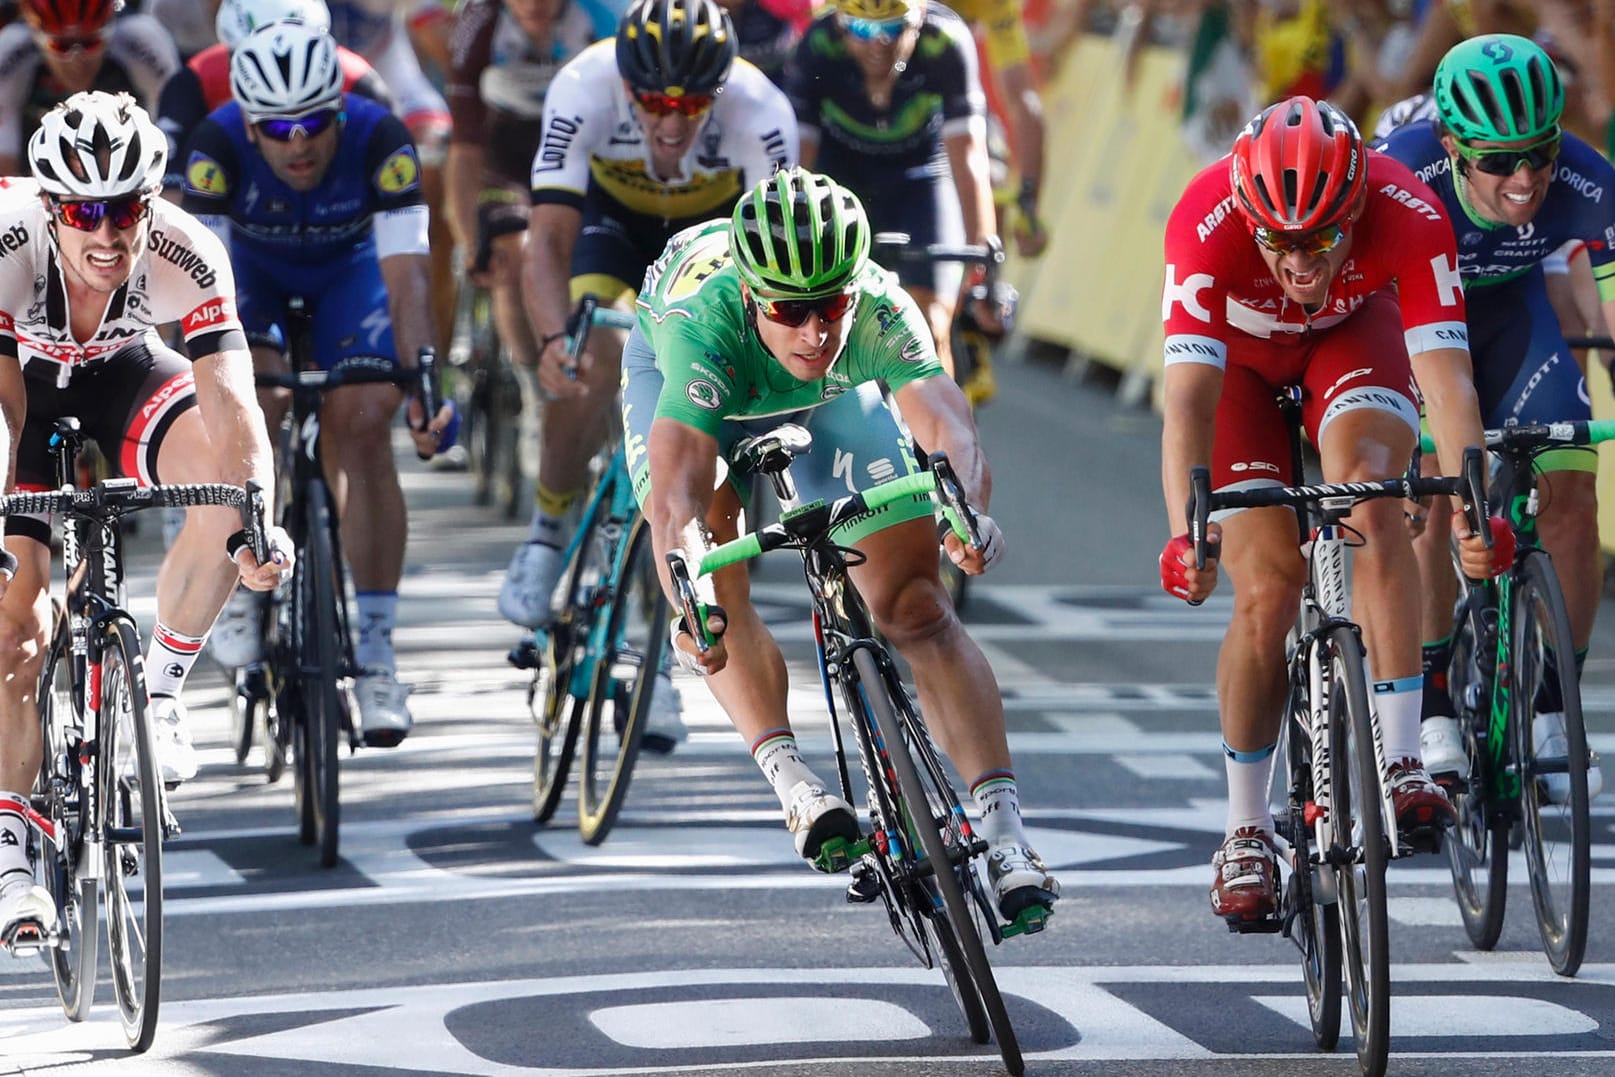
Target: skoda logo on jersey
(703, 394)
(913, 350)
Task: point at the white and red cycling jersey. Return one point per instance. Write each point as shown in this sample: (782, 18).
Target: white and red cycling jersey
(183, 275)
(1219, 293)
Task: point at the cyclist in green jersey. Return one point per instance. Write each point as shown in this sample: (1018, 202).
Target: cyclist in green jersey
(776, 315)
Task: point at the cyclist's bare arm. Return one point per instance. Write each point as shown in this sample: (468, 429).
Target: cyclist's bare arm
(683, 470)
(462, 178)
(938, 415)
(967, 157)
(552, 232)
(1446, 379)
(408, 277)
(228, 403)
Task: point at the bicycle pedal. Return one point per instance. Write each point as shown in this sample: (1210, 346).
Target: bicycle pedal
(1265, 925)
(835, 855)
(1422, 839)
(1030, 920)
(865, 885)
(524, 655)
(26, 938)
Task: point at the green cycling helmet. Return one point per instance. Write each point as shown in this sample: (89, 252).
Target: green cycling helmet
(1499, 88)
(799, 234)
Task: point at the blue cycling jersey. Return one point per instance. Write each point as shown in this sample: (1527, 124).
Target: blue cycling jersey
(1580, 205)
(375, 172)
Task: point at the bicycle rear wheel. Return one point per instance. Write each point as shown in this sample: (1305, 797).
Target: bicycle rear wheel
(1477, 848)
(1557, 831)
(77, 897)
(625, 677)
(952, 912)
(1316, 928)
(315, 734)
(132, 813)
(1358, 846)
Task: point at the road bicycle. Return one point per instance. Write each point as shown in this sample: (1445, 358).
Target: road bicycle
(596, 664)
(1513, 658)
(1337, 828)
(921, 856)
(489, 393)
(300, 687)
(99, 809)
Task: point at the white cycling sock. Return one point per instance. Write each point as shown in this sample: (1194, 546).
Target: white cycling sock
(999, 800)
(1249, 776)
(13, 839)
(378, 613)
(1398, 703)
(780, 760)
(169, 658)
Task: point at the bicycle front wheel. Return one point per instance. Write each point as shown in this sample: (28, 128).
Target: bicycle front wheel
(625, 677)
(1556, 826)
(132, 835)
(1316, 931)
(316, 734)
(70, 882)
(1477, 847)
(929, 820)
(1358, 850)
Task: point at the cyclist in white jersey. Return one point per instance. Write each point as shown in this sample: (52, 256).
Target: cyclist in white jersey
(644, 135)
(90, 262)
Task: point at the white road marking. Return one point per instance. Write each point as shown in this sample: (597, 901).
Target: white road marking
(1460, 1016)
(723, 1023)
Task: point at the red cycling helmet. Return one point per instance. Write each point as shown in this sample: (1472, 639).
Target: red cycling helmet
(1299, 166)
(58, 18)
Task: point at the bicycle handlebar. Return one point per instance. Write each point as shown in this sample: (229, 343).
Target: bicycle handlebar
(1539, 437)
(117, 497)
(585, 316)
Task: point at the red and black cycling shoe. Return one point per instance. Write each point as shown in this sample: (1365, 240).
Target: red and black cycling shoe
(1419, 803)
(1246, 886)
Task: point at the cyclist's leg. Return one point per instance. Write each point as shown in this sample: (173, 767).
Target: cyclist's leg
(1365, 422)
(926, 207)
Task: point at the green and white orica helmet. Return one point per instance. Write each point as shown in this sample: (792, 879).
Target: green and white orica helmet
(799, 234)
(1499, 88)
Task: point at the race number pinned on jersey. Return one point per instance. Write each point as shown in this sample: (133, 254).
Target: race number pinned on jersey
(400, 172)
(203, 176)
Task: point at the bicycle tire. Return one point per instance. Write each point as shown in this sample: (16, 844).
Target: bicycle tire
(504, 434)
(1317, 924)
(319, 670)
(1560, 876)
(243, 716)
(478, 423)
(954, 911)
(1477, 847)
(625, 677)
(73, 960)
(1357, 821)
(132, 835)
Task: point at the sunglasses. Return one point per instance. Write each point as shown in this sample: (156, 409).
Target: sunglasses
(87, 216)
(1320, 242)
(1506, 162)
(663, 104)
(879, 31)
(66, 44)
(283, 129)
(793, 312)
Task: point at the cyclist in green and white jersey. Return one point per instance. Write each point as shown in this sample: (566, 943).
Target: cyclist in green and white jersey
(776, 315)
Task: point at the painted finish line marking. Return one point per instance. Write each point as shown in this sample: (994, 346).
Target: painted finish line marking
(651, 1021)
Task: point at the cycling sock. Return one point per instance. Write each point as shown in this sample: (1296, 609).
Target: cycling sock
(1397, 703)
(998, 799)
(169, 658)
(1249, 775)
(549, 517)
(13, 839)
(378, 612)
(780, 760)
(1437, 657)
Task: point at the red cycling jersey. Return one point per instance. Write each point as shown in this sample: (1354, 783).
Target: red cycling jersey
(1219, 290)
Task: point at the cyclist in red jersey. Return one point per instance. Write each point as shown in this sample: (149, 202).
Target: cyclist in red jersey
(1280, 266)
(203, 83)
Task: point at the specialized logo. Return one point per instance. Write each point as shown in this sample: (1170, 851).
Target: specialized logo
(399, 172)
(703, 394)
(213, 313)
(1186, 294)
(203, 175)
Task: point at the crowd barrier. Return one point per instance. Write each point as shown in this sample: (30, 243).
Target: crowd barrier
(1115, 168)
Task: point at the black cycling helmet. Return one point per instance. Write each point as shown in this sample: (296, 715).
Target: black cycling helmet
(683, 46)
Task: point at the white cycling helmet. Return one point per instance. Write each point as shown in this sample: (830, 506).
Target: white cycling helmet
(97, 145)
(285, 69)
(238, 18)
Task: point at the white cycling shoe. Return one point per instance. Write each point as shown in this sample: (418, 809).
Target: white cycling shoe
(27, 914)
(526, 597)
(384, 717)
(1548, 740)
(176, 755)
(664, 725)
(237, 637)
(1441, 747)
(1019, 878)
(816, 816)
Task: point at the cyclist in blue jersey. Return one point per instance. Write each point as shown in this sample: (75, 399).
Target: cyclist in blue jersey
(317, 194)
(1517, 188)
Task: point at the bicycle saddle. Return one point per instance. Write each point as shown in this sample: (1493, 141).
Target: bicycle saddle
(772, 452)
